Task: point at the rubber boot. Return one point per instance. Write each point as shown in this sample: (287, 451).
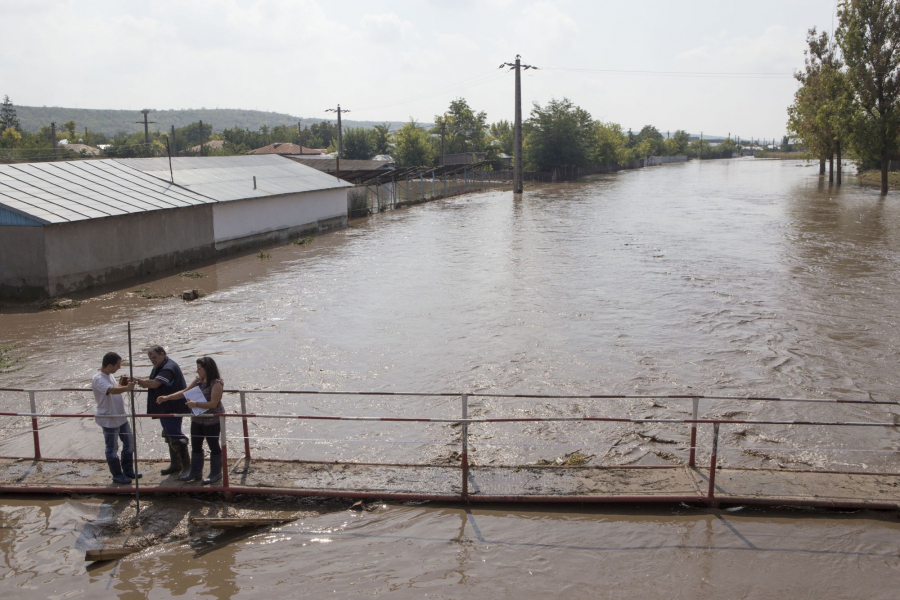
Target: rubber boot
(183, 454)
(175, 464)
(215, 469)
(115, 467)
(196, 473)
(128, 467)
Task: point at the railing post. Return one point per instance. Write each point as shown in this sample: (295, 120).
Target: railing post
(223, 441)
(695, 413)
(246, 431)
(465, 449)
(711, 495)
(34, 427)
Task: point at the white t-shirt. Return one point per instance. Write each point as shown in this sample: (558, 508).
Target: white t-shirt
(107, 404)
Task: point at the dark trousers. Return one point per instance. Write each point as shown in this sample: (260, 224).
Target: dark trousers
(172, 428)
(210, 433)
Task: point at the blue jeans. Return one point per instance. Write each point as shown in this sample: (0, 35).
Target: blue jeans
(172, 428)
(112, 435)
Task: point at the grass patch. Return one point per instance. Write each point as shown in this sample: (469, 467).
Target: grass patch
(8, 358)
(192, 275)
(147, 293)
(572, 459)
(305, 240)
(873, 178)
(784, 155)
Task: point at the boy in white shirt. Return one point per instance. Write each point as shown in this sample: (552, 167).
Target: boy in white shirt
(108, 395)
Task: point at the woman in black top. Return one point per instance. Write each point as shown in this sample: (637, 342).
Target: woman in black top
(204, 426)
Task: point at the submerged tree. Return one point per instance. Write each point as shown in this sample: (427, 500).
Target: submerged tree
(557, 135)
(869, 35)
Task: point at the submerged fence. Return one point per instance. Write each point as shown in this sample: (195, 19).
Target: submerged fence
(380, 196)
(464, 421)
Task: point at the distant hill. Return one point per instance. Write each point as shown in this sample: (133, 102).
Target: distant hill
(111, 122)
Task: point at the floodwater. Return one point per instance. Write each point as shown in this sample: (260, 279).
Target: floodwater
(739, 277)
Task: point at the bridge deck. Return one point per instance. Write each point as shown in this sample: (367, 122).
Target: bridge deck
(485, 483)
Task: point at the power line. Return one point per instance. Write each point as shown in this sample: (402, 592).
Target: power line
(738, 74)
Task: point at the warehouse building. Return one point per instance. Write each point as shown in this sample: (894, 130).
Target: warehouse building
(70, 225)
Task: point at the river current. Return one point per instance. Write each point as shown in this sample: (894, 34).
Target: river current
(738, 277)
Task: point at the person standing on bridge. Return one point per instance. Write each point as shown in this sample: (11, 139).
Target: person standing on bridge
(110, 402)
(205, 425)
(166, 378)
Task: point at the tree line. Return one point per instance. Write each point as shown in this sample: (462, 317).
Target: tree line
(558, 134)
(849, 98)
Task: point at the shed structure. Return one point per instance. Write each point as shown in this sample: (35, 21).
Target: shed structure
(71, 225)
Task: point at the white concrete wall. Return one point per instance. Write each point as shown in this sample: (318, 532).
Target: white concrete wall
(239, 219)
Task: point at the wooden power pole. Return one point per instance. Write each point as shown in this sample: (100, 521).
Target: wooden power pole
(518, 167)
(339, 110)
(53, 139)
(146, 123)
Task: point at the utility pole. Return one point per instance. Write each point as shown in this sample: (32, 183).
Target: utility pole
(519, 171)
(339, 110)
(174, 149)
(201, 138)
(146, 123)
(53, 139)
(700, 149)
(300, 135)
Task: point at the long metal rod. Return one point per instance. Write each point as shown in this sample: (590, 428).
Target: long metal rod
(485, 420)
(711, 493)
(500, 395)
(137, 484)
(464, 459)
(246, 430)
(695, 414)
(34, 427)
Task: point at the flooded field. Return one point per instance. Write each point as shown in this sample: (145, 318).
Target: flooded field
(724, 277)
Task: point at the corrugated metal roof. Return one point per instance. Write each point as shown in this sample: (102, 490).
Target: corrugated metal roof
(226, 178)
(62, 191)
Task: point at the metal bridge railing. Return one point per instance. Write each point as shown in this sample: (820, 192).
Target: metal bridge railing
(464, 420)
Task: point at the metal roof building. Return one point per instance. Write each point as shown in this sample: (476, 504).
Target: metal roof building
(68, 225)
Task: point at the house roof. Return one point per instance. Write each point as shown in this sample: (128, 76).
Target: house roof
(224, 178)
(63, 191)
(285, 148)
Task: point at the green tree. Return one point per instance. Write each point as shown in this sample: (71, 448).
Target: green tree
(69, 127)
(413, 146)
(557, 135)
(466, 130)
(381, 138)
(650, 141)
(8, 115)
(607, 142)
(869, 36)
(502, 132)
(359, 143)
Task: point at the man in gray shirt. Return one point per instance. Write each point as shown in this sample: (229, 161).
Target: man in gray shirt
(108, 395)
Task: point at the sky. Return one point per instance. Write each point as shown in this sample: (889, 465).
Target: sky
(719, 67)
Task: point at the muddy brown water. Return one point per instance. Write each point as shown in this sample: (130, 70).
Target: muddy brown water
(733, 277)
